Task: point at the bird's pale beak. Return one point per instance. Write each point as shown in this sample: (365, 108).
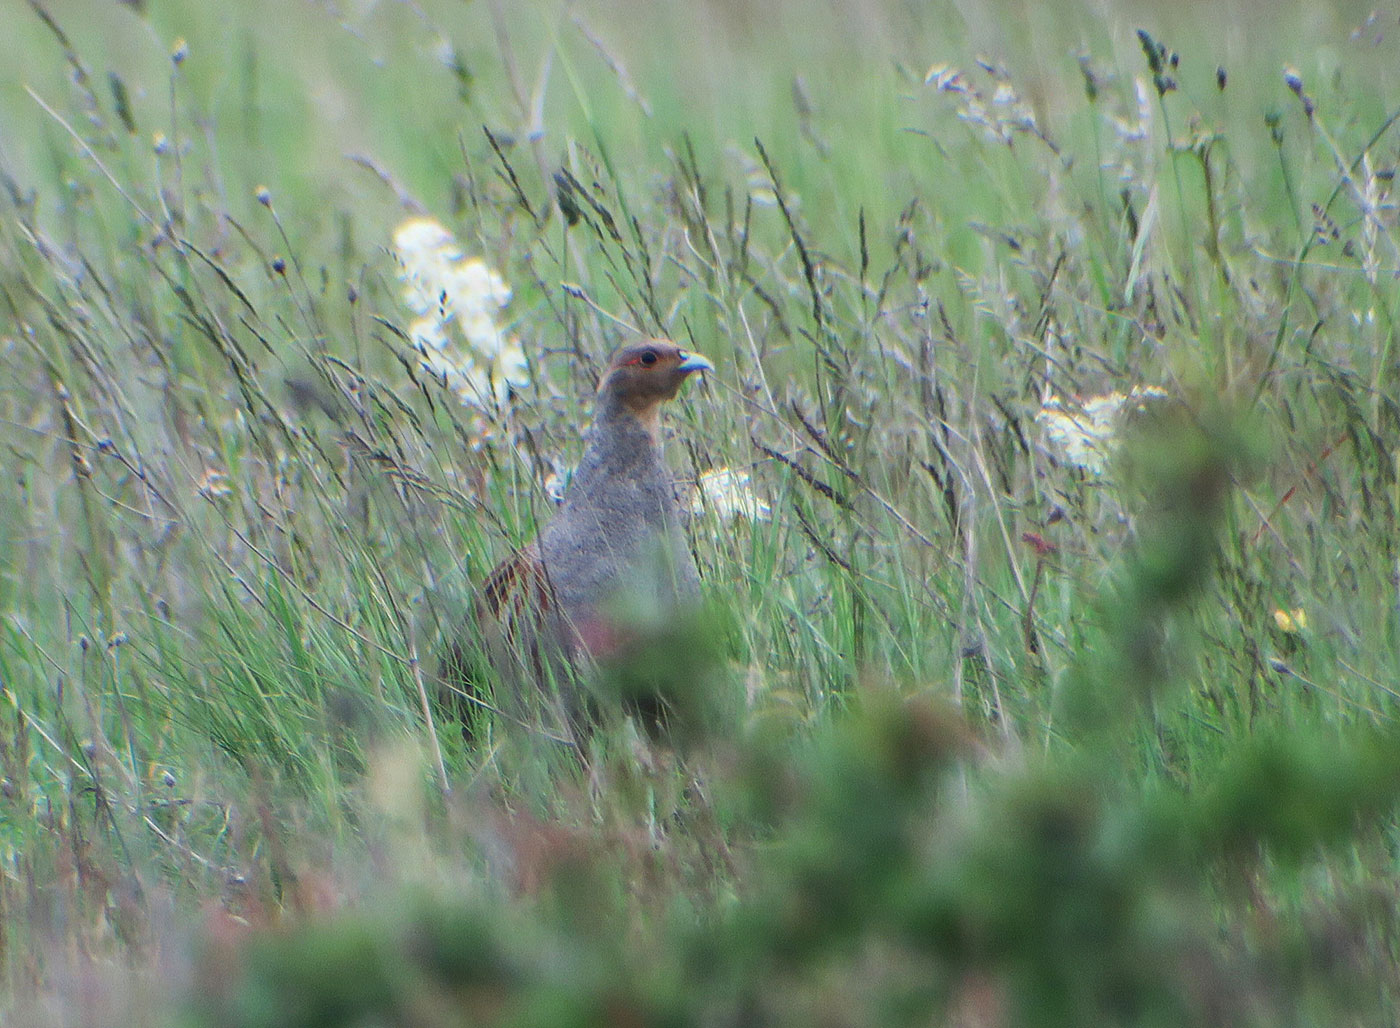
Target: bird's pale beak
(694, 362)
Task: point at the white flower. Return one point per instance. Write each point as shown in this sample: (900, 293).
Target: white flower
(423, 238)
(475, 287)
(729, 495)
(427, 334)
(482, 333)
(445, 288)
(510, 365)
(1086, 433)
(1076, 436)
(490, 378)
(440, 281)
(482, 381)
(437, 363)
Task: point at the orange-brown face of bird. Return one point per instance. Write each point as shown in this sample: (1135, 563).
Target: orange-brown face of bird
(644, 375)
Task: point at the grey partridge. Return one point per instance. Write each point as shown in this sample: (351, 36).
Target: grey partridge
(614, 552)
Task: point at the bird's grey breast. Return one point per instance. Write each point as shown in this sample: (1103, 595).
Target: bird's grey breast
(619, 533)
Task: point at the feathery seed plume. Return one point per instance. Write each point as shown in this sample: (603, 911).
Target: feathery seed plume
(444, 289)
(1085, 432)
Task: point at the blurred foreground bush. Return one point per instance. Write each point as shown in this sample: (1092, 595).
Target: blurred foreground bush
(898, 873)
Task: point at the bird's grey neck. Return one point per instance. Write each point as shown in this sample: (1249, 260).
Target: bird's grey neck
(618, 443)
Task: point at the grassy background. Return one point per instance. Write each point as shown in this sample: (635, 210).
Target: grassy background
(213, 717)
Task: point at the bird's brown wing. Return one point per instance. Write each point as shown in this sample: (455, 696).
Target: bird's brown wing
(516, 629)
(518, 588)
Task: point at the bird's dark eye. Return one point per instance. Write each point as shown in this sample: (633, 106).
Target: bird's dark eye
(648, 358)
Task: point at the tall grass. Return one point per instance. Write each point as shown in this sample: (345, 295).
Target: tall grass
(243, 516)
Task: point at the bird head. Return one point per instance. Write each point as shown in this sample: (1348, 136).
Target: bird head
(642, 376)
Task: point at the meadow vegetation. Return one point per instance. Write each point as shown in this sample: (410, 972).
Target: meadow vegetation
(1049, 530)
